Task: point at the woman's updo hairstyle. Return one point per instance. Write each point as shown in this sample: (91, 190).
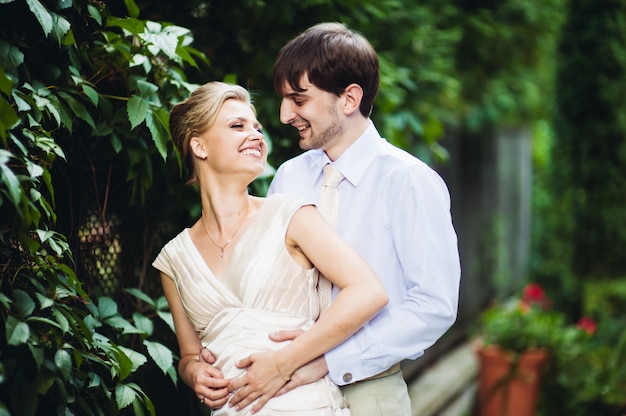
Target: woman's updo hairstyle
(195, 115)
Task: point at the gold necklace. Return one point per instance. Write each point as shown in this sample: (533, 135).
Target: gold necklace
(222, 248)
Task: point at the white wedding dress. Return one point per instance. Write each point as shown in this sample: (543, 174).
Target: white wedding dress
(264, 290)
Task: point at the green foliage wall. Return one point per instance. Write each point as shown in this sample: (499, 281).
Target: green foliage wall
(84, 98)
(581, 222)
(416, 42)
(85, 87)
(506, 58)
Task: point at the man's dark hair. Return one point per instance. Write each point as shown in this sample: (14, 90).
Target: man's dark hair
(332, 57)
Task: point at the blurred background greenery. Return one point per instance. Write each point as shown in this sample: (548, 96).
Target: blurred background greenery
(519, 104)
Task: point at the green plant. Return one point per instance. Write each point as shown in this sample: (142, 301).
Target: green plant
(79, 86)
(580, 221)
(585, 373)
(587, 376)
(522, 324)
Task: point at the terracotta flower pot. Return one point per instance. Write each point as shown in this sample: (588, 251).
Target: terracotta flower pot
(506, 388)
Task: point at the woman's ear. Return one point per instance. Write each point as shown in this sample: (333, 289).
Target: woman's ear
(353, 94)
(197, 148)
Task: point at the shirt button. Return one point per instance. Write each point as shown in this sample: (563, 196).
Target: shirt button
(347, 377)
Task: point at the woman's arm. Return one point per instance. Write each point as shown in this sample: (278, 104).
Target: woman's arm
(205, 380)
(360, 298)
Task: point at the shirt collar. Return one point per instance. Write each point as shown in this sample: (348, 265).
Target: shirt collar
(355, 159)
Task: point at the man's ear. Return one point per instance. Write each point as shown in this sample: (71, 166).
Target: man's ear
(197, 148)
(353, 94)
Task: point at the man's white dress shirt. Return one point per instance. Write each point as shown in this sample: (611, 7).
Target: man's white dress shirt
(395, 211)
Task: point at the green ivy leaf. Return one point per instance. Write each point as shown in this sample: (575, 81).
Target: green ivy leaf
(63, 361)
(91, 93)
(10, 56)
(44, 235)
(143, 323)
(138, 408)
(94, 380)
(124, 363)
(44, 302)
(161, 355)
(58, 245)
(137, 110)
(37, 351)
(43, 381)
(137, 359)
(78, 108)
(60, 27)
(42, 15)
(160, 135)
(42, 321)
(160, 39)
(17, 332)
(10, 181)
(124, 395)
(34, 170)
(22, 104)
(5, 301)
(8, 118)
(181, 51)
(49, 146)
(146, 89)
(61, 320)
(121, 323)
(173, 375)
(6, 84)
(146, 400)
(134, 26)
(133, 10)
(24, 304)
(116, 143)
(45, 103)
(94, 13)
(107, 308)
(167, 318)
(140, 295)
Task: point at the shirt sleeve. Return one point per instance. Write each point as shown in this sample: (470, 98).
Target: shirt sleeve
(425, 244)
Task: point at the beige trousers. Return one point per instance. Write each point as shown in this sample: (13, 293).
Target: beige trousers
(386, 396)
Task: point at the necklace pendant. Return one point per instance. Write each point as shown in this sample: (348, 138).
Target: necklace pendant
(222, 253)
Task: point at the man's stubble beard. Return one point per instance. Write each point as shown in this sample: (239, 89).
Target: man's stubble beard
(321, 140)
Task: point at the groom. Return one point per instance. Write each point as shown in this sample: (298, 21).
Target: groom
(394, 210)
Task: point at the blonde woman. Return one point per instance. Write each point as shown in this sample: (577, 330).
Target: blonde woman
(249, 266)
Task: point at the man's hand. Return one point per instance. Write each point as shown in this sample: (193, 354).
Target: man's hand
(306, 374)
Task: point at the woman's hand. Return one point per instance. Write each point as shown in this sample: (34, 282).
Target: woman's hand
(262, 380)
(207, 382)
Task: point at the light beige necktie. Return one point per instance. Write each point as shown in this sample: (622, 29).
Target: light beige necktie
(329, 199)
(329, 208)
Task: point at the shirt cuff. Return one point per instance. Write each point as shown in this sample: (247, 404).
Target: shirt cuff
(346, 366)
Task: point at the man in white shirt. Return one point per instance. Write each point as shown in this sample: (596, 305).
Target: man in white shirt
(394, 210)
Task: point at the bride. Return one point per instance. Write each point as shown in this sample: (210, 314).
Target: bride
(250, 266)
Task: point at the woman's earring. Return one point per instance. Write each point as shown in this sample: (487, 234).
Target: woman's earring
(203, 156)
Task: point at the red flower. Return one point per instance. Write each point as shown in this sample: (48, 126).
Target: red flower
(533, 293)
(587, 324)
